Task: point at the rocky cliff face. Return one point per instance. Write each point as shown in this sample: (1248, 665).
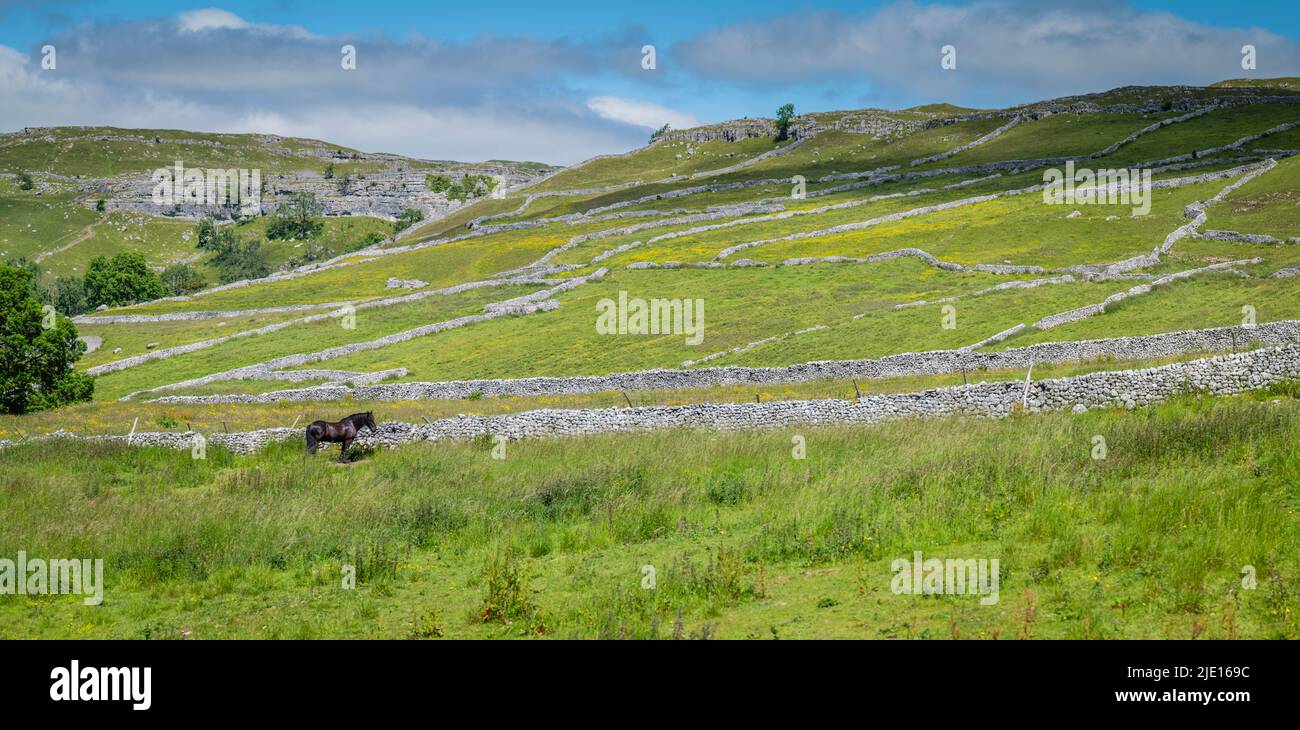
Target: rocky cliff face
(388, 185)
(383, 194)
(741, 129)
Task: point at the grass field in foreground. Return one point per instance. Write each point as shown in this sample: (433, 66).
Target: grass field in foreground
(744, 540)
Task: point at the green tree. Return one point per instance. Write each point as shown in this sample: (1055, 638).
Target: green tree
(207, 233)
(36, 361)
(239, 259)
(408, 218)
(34, 280)
(25, 181)
(468, 186)
(182, 279)
(99, 205)
(783, 117)
(437, 183)
(123, 279)
(69, 295)
(329, 171)
(660, 132)
(296, 218)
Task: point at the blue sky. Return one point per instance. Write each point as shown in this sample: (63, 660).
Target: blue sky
(561, 81)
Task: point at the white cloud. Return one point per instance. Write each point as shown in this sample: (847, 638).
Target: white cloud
(1005, 48)
(206, 19)
(640, 113)
(209, 19)
(460, 129)
(470, 135)
(551, 100)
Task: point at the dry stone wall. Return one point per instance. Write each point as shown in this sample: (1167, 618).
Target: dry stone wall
(1221, 375)
(934, 362)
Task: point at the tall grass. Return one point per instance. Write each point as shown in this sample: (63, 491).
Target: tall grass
(1190, 492)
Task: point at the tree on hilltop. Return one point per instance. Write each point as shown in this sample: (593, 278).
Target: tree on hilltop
(783, 117)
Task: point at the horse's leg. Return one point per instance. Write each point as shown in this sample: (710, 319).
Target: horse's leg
(311, 444)
(343, 451)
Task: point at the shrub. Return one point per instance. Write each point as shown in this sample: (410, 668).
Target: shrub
(296, 218)
(468, 186)
(182, 279)
(728, 489)
(437, 183)
(427, 625)
(507, 597)
(25, 181)
(408, 218)
(100, 205)
(312, 252)
(123, 279)
(206, 233)
(36, 361)
(238, 258)
(69, 295)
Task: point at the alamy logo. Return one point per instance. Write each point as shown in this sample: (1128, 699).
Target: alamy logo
(653, 317)
(38, 577)
(1099, 187)
(951, 577)
(179, 185)
(77, 683)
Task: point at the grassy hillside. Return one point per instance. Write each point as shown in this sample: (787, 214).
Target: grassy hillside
(1017, 229)
(746, 541)
(108, 151)
(74, 168)
(31, 223)
(1268, 205)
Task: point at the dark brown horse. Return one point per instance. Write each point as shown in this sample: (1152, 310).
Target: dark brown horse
(342, 432)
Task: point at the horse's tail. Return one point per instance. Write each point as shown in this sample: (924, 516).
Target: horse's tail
(312, 439)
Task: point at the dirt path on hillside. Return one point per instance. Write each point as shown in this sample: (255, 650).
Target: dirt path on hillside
(85, 233)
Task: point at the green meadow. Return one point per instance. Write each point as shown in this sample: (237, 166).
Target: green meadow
(741, 539)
